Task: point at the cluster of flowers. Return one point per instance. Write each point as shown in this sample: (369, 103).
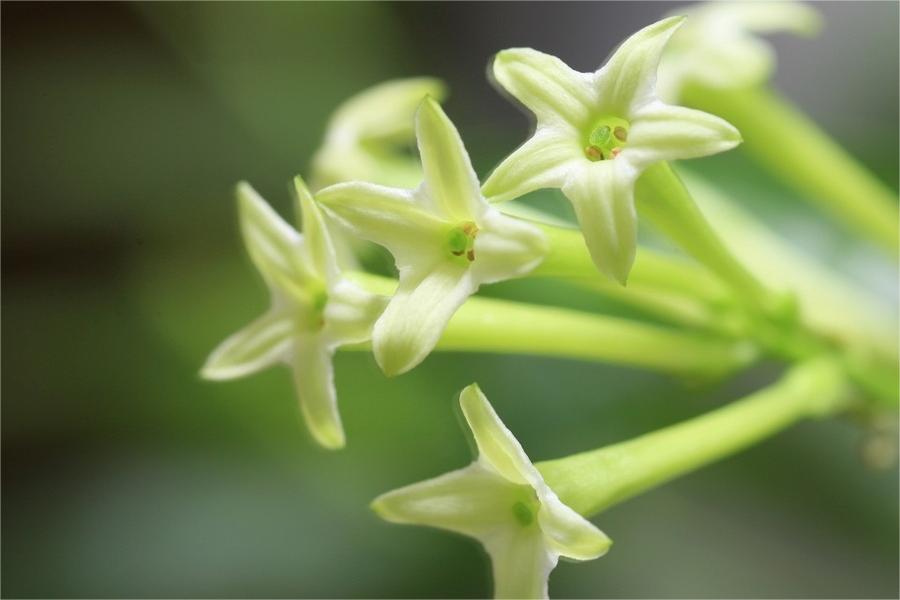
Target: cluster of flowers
(595, 135)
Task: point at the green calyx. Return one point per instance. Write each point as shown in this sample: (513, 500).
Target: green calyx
(607, 138)
(461, 240)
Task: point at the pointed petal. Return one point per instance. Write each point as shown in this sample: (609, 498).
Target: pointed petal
(497, 447)
(351, 313)
(314, 380)
(663, 132)
(767, 17)
(545, 85)
(417, 314)
(451, 181)
(627, 79)
(506, 247)
(541, 162)
(568, 533)
(260, 344)
(473, 501)
(274, 246)
(602, 194)
(389, 217)
(317, 241)
(521, 563)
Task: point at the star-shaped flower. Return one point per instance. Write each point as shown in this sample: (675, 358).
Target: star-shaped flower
(314, 310)
(502, 501)
(596, 133)
(445, 238)
(718, 47)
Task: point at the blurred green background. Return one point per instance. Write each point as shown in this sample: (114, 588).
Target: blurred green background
(125, 127)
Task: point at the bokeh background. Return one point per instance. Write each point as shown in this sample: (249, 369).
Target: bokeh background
(125, 127)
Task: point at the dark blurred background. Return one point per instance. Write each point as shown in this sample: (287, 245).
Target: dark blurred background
(125, 127)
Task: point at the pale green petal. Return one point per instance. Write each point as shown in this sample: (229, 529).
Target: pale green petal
(416, 316)
(663, 132)
(384, 113)
(541, 162)
(628, 77)
(351, 313)
(314, 380)
(451, 182)
(389, 217)
(273, 245)
(545, 85)
(602, 194)
(506, 247)
(769, 17)
(497, 446)
(473, 501)
(520, 562)
(568, 533)
(316, 238)
(264, 342)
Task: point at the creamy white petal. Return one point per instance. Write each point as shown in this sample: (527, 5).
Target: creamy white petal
(416, 316)
(506, 247)
(568, 533)
(473, 501)
(450, 180)
(314, 382)
(521, 563)
(541, 162)
(389, 217)
(545, 85)
(317, 243)
(260, 344)
(602, 194)
(663, 132)
(626, 80)
(351, 313)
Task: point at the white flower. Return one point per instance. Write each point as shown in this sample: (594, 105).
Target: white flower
(502, 501)
(595, 134)
(314, 310)
(446, 240)
(718, 46)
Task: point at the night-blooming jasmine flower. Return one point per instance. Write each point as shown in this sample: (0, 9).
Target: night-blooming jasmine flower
(595, 134)
(445, 238)
(502, 501)
(719, 48)
(314, 310)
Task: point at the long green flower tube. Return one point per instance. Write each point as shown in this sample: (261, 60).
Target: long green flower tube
(593, 481)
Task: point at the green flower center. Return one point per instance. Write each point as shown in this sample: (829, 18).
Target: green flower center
(607, 138)
(523, 514)
(461, 240)
(525, 509)
(312, 310)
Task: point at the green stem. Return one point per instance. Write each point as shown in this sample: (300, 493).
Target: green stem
(502, 326)
(664, 200)
(789, 144)
(593, 481)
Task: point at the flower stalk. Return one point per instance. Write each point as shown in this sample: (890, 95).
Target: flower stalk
(591, 482)
(805, 157)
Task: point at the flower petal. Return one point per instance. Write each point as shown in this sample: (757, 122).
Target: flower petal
(521, 563)
(663, 132)
(567, 532)
(314, 380)
(627, 79)
(389, 217)
(351, 313)
(260, 344)
(451, 182)
(506, 247)
(417, 314)
(768, 17)
(316, 239)
(497, 447)
(602, 194)
(274, 246)
(541, 162)
(473, 501)
(545, 85)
